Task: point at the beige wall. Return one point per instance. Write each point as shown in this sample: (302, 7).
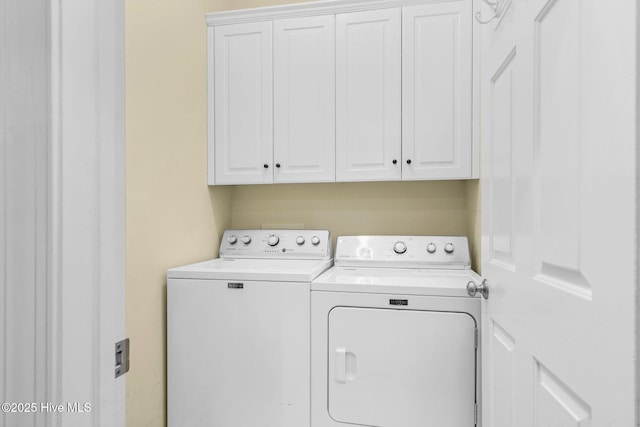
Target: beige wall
(474, 223)
(173, 218)
(428, 207)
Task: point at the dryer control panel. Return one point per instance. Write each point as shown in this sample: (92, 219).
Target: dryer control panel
(276, 244)
(443, 252)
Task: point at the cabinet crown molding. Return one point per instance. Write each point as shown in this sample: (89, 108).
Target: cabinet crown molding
(296, 10)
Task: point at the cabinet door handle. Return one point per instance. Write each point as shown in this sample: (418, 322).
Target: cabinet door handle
(394, 161)
(266, 166)
(277, 165)
(408, 161)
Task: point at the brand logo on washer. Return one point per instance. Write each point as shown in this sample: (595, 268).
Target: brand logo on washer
(235, 285)
(399, 301)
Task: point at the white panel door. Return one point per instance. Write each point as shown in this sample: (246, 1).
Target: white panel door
(368, 49)
(559, 214)
(304, 99)
(437, 90)
(401, 368)
(243, 94)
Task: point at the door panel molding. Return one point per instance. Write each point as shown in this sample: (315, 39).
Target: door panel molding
(568, 280)
(501, 163)
(558, 157)
(554, 401)
(503, 369)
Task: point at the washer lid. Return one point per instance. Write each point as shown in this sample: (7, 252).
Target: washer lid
(404, 281)
(271, 270)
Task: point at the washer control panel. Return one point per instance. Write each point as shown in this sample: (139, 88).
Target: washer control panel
(445, 252)
(271, 244)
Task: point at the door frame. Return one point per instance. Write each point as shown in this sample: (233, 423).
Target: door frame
(63, 124)
(86, 289)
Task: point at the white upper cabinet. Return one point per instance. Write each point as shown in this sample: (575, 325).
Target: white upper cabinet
(368, 95)
(304, 99)
(342, 90)
(243, 104)
(437, 90)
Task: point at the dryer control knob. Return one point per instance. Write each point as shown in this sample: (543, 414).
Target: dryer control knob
(448, 248)
(246, 239)
(315, 240)
(273, 240)
(400, 247)
(232, 240)
(300, 240)
(431, 248)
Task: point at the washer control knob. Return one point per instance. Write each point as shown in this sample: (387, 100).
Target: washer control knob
(315, 240)
(232, 240)
(273, 240)
(400, 247)
(448, 248)
(246, 239)
(300, 240)
(431, 248)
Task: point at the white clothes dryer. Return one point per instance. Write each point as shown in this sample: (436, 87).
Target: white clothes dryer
(395, 335)
(238, 331)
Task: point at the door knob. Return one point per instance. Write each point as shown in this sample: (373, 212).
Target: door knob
(483, 288)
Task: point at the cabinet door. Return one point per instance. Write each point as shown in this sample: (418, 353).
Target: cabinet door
(437, 91)
(368, 47)
(304, 99)
(243, 104)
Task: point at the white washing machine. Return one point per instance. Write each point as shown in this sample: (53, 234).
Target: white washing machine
(238, 331)
(395, 335)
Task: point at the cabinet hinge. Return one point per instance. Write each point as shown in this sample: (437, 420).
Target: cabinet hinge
(122, 357)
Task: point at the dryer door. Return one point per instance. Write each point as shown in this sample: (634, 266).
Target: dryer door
(401, 368)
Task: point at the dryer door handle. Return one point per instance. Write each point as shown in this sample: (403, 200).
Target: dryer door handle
(346, 366)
